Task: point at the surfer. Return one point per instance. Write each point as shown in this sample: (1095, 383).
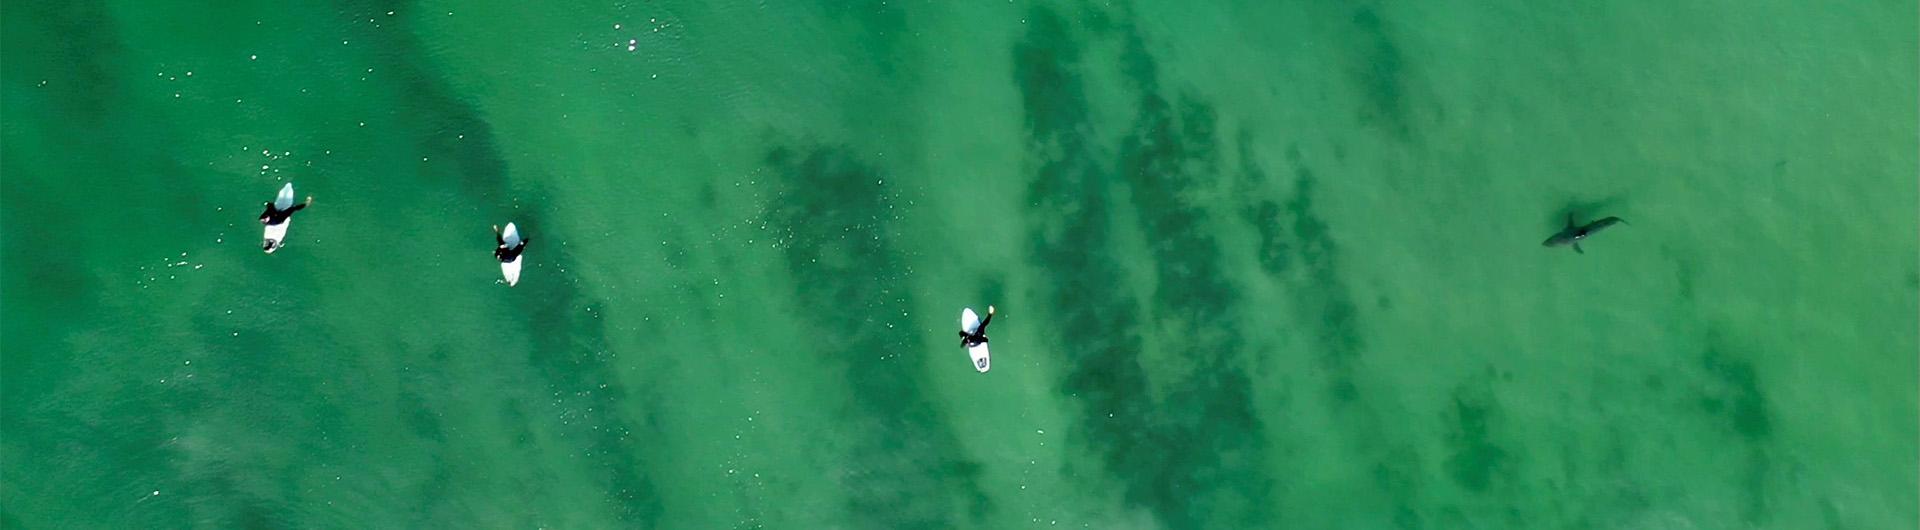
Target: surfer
(505, 253)
(1574, 233)
(274, 215)
(277, 217)
(979, 334)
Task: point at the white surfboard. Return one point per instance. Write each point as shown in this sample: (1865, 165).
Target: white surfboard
(969, 322)
(511, 269)
(276, 235)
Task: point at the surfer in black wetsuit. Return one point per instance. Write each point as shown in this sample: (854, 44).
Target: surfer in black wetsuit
(501, 251)
(979, 335)
(274, 216)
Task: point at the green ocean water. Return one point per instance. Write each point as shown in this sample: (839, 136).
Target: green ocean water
(1257, 264)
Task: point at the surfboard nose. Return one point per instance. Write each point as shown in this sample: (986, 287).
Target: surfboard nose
(285, 199)
(511, 235)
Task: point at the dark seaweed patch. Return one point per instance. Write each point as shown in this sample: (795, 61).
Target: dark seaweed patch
(569, 346)
(1383, 76)
(1398, 471)
(882, 28)
(912, 473)
(1474, 460)
(993, 287)
(1297, 248)
(1736, 400)
(570, 351)
(1264, 214)
(1736, 397)
(1274, 255)
(1096, 322)
(1171, 154)
(1194, 459)
(85, 38)
(1323, 289)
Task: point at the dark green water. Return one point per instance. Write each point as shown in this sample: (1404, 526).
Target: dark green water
(1258, 264)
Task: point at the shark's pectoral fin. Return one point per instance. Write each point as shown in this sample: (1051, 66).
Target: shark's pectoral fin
(1576, 248)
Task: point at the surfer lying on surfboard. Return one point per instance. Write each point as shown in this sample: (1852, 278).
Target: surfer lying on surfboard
(274, 215)
(277, 216)
(979, 335)
(505, 253)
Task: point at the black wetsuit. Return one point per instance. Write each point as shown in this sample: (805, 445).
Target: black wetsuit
(505, 254)
(274, 216)
(979, 335)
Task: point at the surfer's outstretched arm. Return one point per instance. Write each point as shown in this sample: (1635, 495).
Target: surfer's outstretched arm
(267, 216)
(983, 323)
(497, 238)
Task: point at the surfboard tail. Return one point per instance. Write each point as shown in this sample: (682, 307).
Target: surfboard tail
(510, 271)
